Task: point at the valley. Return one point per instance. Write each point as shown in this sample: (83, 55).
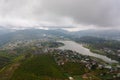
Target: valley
(59, 39)
(55, 57)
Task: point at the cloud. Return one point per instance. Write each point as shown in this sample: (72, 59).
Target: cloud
(60, 13)
(101, 13)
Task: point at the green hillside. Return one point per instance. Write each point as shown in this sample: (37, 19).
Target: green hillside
(39, 67)
(43, 63)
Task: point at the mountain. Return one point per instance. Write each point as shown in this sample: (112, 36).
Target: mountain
(29, 34)
(4, 31)
(7, 35)
(107, 34)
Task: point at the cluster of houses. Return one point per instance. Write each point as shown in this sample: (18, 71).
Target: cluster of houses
(63, 56)
(15, 44)
(20, 43)
(110, 51)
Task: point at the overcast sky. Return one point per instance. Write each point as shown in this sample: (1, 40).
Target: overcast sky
(70, 14)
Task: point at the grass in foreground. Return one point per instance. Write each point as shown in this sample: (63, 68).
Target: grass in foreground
(39, 67)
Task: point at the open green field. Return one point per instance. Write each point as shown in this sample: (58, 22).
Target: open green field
(39, 67)
(72, 68)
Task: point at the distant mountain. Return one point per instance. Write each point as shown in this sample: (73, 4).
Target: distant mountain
(4, 31)
(28, 34)
(107, 34)
(7, 35)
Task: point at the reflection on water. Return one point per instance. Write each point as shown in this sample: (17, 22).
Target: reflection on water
(71, 45)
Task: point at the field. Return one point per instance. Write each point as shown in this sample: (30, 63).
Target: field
(39, 67)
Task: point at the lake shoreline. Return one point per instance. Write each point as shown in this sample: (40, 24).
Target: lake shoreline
(74, 46)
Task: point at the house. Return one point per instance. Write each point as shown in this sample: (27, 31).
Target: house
(71, 78)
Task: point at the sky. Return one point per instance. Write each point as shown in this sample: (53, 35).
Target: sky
(72, 15)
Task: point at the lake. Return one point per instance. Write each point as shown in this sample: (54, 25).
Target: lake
(71, 45)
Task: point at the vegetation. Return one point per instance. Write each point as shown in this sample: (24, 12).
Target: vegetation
(39, 67)
(52, 44)
(36, 63)
(94, 41)
(102, 46)
(6, 57)
(74, 68)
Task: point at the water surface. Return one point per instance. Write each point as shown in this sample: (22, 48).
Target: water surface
(71, 45)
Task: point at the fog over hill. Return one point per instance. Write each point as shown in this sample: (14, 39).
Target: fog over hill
(29, 34)
(107, 34)
(7, 35)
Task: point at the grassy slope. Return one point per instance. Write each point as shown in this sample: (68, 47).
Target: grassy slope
(43, 67)
(5, 58)
(74, 68)
(39, 67)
